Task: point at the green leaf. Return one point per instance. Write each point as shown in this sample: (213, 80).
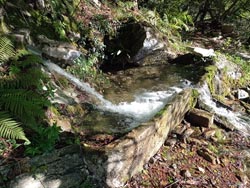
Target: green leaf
(9, 128)
(6, 49)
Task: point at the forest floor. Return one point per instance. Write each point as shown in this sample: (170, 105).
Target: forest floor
(210, 157)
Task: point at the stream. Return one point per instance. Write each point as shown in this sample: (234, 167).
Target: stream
(137, 94)
(239, 121)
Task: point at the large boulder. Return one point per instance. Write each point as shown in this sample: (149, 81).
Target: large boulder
(61, 53)
(133, 42)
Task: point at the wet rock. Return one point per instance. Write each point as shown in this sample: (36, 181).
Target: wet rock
(200, 118)
(60, 52)
(222, 122)
(185, 59)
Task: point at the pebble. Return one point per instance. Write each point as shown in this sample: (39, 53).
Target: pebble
(186, 174)
(210, 133)
(170, 142)
(174, 166)
(202, 170)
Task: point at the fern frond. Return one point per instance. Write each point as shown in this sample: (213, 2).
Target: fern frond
(26, 105)
(31, 79)
(6, 49)
(9, 128)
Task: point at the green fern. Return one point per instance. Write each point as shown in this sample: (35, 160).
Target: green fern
(26, 105)
(9, 128)
(6, 49)
(21, 92)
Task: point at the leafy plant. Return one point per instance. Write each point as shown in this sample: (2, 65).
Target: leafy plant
(244, 66)
(9, 128)
(46, 140)
(6, 49)
(85, 68)
(23, 97)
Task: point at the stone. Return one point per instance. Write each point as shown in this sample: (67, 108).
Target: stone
(202, 170)
(185, 173)
(242, 177)
(233, 70)
(203, 52)
(61, 168)
(201, 118)
(133, 42)
(59, 52)
(242, 94)
(185, 59)
(151, 43)
(222, 122)
(40, 4)
(179, 129)
(174, 166)
(209, 133)
(96, 3)
(186, 134)
(207, 155)
(198, 142)
(22, 36)
(170, 142)
(245, 56)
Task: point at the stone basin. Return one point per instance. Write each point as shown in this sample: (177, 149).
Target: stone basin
(110, 165)
(96, 166)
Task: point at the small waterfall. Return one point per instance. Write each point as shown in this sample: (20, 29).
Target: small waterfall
(242, 123)
(81, 85)
(145, 105)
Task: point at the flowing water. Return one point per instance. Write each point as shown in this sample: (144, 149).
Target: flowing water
(239, 121)
(138, 94)
(81, 85)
